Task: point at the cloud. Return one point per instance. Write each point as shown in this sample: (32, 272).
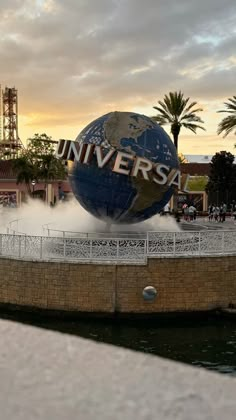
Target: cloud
(76, 59)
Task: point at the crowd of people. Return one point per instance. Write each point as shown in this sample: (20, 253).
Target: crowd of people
(189, 212)
(217, 213)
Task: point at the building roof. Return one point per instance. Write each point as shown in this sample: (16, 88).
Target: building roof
(195, 169)
(6, 170)
(200, 158)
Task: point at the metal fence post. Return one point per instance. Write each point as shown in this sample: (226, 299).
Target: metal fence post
(0, 244)
(174, 239)
(223, 241)
(199, 242)
(117, 249)
(25, 244)
(91, 249)
(147, 244)
(41, 248)
(19, 246)
(145, 248)
(64, 248)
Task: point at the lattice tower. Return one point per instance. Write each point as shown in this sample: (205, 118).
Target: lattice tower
(10, 142)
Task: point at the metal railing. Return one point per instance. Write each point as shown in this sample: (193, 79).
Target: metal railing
(118, 250)
(191, 243)
(48, 231)
(13, 227)
(73, 249)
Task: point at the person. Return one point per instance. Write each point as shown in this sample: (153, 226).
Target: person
(191, 211)
(185, 211)
(210, 212)
(166, 209)
(216, 213)
(221, 213)
(61, 193)
(232, 209)
(234, 212)
(224, 211)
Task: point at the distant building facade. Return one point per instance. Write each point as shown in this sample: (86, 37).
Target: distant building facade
(13, 194)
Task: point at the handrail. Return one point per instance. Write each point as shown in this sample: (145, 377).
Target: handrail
(74, 234)
(117, 249)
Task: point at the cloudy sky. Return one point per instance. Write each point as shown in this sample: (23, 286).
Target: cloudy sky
(74, 60)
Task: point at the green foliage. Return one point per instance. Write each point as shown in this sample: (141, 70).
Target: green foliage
(37, 162)
(228, 124)
(223, 173)
(178, 112)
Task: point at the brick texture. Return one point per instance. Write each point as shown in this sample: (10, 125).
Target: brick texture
(183, 284)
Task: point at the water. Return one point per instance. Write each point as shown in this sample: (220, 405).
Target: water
(207, 342)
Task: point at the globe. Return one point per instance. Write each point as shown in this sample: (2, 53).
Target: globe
(115, 197)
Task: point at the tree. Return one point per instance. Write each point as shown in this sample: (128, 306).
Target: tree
(25, 171)
(182, 158)
(228, 124)
(178, 112)
(222, 178)
(38, 162)
(41, 152)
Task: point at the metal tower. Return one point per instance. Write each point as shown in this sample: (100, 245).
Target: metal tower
(0, 113)
(10, 143)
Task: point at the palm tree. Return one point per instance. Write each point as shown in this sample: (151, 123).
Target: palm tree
(25, 171)
(178, 112)
(228, 124)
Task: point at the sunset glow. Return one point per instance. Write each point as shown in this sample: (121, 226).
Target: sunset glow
(74, 60)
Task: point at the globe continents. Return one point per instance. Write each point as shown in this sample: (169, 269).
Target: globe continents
(118, 197)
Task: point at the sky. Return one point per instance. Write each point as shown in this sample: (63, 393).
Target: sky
(75, 60)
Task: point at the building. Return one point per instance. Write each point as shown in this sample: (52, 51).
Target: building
(198, 173)
(13, 194)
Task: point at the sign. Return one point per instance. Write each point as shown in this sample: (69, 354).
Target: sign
(124, 163)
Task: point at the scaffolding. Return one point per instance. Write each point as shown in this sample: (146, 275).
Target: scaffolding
(10, 143)
(0, 113)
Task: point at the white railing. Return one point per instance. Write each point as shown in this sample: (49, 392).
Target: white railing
(13, 227)
(118, 250)
(191, 243)
(73, 249)
(48, 231)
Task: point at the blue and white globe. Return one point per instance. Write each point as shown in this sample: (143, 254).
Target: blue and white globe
(118, 198)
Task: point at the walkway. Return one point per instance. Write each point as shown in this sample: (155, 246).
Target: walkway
(49, 375)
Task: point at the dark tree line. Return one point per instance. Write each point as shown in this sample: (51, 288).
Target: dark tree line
(221, 186)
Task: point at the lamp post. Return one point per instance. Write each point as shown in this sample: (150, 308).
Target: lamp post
(33, 184)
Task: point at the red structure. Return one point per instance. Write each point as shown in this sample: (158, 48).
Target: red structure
(10, 143)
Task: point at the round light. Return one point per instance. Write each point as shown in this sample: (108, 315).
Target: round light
(149, 293)
(33, 182)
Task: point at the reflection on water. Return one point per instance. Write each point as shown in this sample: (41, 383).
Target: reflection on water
(210, 343)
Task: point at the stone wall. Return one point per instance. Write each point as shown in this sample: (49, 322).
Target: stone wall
(183, 284)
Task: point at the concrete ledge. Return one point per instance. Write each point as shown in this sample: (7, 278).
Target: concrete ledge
(46, 375)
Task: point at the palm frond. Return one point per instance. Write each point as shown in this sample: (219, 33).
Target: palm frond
(191, 117)
(227, 125)
(163, 113)
(176, 110)
(193, 127)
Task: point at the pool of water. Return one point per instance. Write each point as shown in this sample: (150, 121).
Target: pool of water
(210, 342)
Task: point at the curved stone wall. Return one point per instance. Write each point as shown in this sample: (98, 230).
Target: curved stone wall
(182, 284)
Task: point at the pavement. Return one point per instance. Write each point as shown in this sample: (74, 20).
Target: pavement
(54, 376)
(202, 223)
